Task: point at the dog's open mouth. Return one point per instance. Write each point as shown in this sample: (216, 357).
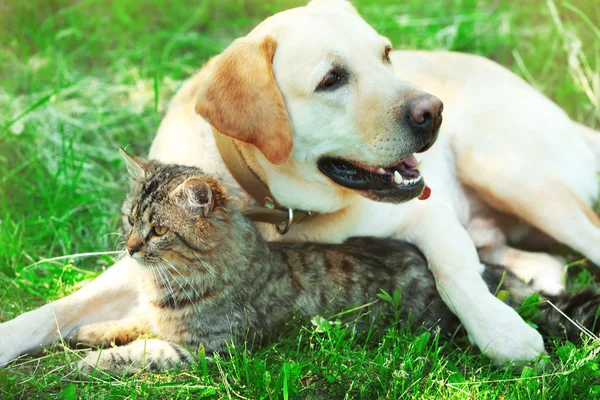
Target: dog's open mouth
(396, 183)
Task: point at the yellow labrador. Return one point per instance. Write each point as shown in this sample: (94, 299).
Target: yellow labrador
(324, 113)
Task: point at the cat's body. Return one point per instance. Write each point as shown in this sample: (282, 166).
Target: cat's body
(209, 279)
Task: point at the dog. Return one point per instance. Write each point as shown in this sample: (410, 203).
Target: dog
(345, 134)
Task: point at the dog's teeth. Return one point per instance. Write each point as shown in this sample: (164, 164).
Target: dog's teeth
(381, 171)
(397, 178)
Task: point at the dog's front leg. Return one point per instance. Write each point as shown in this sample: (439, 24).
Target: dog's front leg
(493, 326)
(111, 296)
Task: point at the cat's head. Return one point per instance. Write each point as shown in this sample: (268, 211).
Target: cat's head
(173, 214)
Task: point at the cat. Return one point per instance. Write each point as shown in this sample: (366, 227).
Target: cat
(208, 278)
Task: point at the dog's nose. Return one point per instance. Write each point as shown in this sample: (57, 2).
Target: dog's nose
(425, 114)
(132, 249)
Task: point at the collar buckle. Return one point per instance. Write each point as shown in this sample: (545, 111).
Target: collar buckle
(287, 225)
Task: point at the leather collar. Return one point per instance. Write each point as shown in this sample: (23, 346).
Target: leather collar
(270, 211)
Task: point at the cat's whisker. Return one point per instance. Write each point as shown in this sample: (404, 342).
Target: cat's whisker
(154, 274)
(170, 286)
(206, 265)
(167, 284)
(193, 304)
(188, 267)
(112, 233)
(184, 278)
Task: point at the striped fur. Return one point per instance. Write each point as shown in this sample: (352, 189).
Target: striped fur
(211, 280)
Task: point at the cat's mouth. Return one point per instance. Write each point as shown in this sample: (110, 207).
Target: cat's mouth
(396, 183)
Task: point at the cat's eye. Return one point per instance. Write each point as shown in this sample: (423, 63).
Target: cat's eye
(130, 220)
(160, 230)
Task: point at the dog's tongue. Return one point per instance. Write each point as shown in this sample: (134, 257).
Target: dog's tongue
(426, 193)
(411, 161)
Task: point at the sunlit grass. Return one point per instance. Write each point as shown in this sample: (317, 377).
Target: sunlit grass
(81, 79)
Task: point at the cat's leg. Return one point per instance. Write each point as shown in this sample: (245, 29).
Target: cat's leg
(111, 296)
(142, 354)
(119, 333)
(493, 326)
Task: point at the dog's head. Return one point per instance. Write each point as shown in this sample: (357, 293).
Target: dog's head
(313, 93)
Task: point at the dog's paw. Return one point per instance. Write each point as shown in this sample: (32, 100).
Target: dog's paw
(544, 272)
(548, 285)
(113, 333)
(7, 354)
(15, 340)
(79, 337)
(504, 337)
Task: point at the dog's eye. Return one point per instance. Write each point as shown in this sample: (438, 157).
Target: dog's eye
(331, 80)
(159, 230)
(386, 54)
(130, 220)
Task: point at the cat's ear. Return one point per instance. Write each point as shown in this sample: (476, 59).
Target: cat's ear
(136, 166)
(195, 195)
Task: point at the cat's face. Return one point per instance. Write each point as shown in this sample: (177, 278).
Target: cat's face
(173, 214)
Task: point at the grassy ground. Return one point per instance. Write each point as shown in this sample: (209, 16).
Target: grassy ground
(79, 79)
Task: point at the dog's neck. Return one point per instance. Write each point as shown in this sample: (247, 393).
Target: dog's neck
(250, 179)
(247, 173)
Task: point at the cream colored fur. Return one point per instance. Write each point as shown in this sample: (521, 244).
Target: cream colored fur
(506, 158)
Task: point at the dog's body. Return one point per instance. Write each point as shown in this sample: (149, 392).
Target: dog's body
(508, 164)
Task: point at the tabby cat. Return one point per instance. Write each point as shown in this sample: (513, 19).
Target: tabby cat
(208, 278)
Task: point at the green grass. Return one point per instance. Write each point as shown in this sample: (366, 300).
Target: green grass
(80, 79)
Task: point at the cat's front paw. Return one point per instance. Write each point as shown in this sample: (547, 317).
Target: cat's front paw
(106, 361)
(87, 365)
(503, 336)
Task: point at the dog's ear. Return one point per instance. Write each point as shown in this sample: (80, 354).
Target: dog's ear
(239, 97)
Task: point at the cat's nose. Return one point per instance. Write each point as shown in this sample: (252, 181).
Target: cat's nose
(132, 249)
